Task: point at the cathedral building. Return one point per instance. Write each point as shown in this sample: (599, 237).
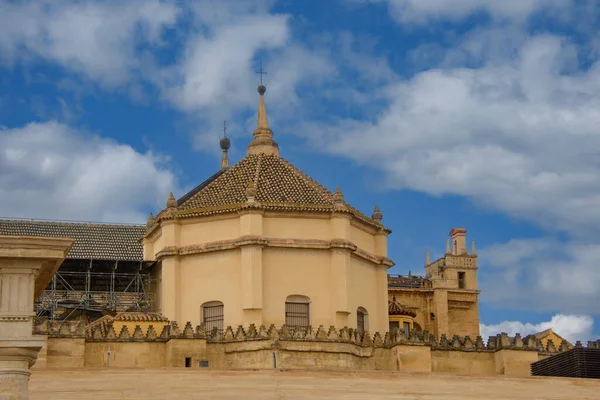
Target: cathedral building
(446, 300)
(258, 242)
(261, 242)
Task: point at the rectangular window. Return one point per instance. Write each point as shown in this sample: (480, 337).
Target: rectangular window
(394, 326)
(461, 280)
(296, 314)
(213, 317)
(406, 327)
(360, 322)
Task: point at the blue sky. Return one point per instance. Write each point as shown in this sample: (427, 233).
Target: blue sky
(470, 113)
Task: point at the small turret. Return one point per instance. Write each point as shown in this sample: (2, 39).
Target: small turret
(171, 202)
(150, 221)
(473, 251)
(338, 196)
(377, 214)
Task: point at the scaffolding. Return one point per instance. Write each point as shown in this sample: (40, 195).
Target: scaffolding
(95, 288)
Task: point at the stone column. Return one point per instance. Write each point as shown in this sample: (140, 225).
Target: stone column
(27, 264)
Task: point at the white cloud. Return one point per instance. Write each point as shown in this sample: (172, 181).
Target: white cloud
(216, 67)
(48, 170)
(97, 40)
(517, 135)
(421, 11)
(544, 275)
(570, 327)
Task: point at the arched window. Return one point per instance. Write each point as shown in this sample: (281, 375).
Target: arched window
(362, 320)
(297, 311)
(212, 315)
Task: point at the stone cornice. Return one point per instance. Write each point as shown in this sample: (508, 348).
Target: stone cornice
(280, 209)
(262, 241)
(33, 246)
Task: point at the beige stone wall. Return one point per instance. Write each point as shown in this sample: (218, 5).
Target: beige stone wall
(289, 354)
(464, 321)
(125, 354)
(209, 277)
(318, 227)
(42, 355)
(470, 363)
(268, 348)
(65, 352)
(177, 350)
(514, 362)
(194, 231)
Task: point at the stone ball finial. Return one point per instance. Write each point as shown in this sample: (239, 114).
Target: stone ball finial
(171, 202)
(261, 89)
(150, 222)
(377, 214)
(225, 143)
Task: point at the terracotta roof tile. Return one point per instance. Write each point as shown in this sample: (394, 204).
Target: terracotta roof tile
(92, 241)
(280, 186)
(395, 308)
(105, 322)
(141, 317)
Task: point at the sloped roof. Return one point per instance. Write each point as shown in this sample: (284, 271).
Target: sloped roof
(105, 322)
(92, 241)
(543, 334)
(278, 183)
(395, 308)
(275, 179)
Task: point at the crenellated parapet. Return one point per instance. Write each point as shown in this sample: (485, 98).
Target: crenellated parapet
(59, 329)
(77, 329)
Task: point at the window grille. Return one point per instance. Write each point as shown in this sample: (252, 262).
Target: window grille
(394, 326)
(296, 314)
(360, 322)
(213, 317)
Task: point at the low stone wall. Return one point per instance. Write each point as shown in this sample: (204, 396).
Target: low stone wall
(68, 345)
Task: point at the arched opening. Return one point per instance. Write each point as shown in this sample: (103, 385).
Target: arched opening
(297, 311)
(362, 320)
(212, 315)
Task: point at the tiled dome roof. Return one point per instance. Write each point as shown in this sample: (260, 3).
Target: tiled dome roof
(279, 186)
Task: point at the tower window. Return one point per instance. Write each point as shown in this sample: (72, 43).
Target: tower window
(461, 280)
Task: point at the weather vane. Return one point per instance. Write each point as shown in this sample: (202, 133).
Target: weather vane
(261, 73)
(224, 128)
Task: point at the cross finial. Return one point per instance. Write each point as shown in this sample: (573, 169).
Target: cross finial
(261, 72)
(224, 128)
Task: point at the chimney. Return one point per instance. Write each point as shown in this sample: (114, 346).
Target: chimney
(459, 241)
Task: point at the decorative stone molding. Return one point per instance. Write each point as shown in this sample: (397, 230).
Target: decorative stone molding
(15, 318)
(262, 241)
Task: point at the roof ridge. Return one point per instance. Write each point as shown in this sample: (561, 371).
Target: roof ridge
(68, 222)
